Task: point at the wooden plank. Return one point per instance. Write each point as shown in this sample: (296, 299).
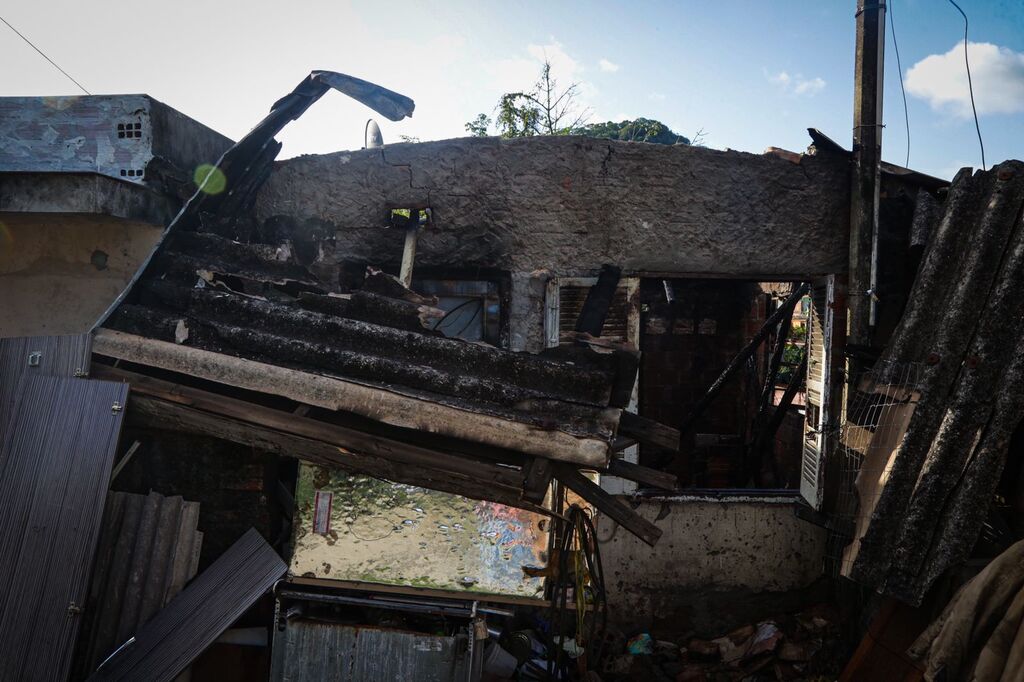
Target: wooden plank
(648, 431)
(607, 504)
(642, 474)
(390, 407)
(58, 453)
(305, 427)
(171, 415)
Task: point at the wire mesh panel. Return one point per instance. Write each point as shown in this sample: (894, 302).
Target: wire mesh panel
(878, 412)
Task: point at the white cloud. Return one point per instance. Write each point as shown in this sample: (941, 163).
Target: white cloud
(607, 66)
(809, 87)
(521, 73)
(997, 74)
(656, 96)
(797, 84)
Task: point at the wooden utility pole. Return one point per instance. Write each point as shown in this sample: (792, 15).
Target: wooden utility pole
(867, 157)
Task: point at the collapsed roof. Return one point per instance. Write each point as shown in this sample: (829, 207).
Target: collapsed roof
(212, 305)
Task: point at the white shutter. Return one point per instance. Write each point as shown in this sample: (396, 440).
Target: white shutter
(819, 363)
(565, 299)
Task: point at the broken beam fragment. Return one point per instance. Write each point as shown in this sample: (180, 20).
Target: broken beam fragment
(335, 436)
(641, 474)
(163, 414)
(598, 301)
(648, 431)
(607, 504)
(389, 407)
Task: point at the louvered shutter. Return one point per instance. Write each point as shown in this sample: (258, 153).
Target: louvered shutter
(819, 346)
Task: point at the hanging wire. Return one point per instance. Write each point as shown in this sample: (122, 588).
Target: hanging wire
(970, 86)
(899, 65)
(20, 35)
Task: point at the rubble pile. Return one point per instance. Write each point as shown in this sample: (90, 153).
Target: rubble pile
(804, 646)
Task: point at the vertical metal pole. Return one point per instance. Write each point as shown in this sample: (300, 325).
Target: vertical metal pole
(867, 157)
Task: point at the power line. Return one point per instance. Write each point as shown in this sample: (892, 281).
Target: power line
(906, 114)
(44, 56)
(970, 86)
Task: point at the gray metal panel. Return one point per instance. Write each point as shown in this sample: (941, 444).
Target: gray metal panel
(58, 450)
(194, 619)
(145, 557)
(323, 652)
(58, 356)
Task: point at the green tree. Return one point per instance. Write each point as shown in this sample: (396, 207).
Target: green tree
(548, 109)
(478, 127)
(637, 130)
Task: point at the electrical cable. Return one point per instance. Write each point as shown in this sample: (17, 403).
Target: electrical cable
(899, 66)
(20, 35)
(970, 86)
(578, 541)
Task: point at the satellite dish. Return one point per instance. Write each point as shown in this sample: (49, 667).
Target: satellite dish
(371, 136)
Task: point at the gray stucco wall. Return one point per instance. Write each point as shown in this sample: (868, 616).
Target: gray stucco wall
(719, 564)
(569, 204)
(547, 207)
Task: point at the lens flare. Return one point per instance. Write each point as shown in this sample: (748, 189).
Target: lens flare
(6, 238)
(210, 179)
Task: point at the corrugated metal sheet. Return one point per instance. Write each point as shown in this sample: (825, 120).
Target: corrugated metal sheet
(184, 628)
(324, 652)
(46, 356)
(58, 453)
(148, 551)
(961, 329)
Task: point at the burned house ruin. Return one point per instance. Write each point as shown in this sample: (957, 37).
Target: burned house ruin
(282, 398)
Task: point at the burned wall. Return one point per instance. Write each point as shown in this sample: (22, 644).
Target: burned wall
(562, 206)
(569, 204)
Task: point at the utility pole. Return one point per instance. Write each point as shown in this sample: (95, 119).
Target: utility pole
(867, 157)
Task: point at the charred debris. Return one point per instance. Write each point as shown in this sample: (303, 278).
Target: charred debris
(228, 332)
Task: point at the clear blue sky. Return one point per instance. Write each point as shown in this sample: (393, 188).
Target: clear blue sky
(751, 74)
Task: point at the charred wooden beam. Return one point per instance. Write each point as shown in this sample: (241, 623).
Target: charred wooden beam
(741, 358)
(766, 436)
(388, 406)
(641, 474)
(369, 307)
(648, 431)
(598, 301)
(163, 404)
(607, 504)
(381, 283)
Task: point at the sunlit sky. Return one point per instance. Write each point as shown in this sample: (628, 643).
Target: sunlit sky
(750, 74)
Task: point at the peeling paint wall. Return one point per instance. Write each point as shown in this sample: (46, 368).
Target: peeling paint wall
(718, 564)
(59, 272)
(113, 135)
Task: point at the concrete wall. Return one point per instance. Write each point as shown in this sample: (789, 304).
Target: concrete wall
(718, 565)
(562, 206)
(59, 272)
